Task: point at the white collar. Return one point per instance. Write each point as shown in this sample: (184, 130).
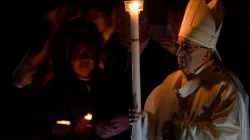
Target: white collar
(192, 84)
(189, 87)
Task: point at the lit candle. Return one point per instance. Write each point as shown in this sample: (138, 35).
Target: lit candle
(134, 8)
(63, 122)
(88, 117)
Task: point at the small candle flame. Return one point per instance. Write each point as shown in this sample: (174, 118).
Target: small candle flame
(63, 122)
(134, 6)
(88, 116)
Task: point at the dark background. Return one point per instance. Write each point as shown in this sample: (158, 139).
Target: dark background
(23, 26)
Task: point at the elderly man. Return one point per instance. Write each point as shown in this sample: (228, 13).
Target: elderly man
(202, 100)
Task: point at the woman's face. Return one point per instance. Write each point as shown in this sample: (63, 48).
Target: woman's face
(82, 61)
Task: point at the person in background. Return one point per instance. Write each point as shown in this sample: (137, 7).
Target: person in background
(155, 62)
(85, 88)
(114, 55)
(202, 100)
(21, 90)
(24, 74)
(113, 58)
(172, 23)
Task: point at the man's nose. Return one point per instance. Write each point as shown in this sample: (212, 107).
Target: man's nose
(180, 52)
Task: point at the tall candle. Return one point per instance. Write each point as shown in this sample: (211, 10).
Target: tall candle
(134, 8)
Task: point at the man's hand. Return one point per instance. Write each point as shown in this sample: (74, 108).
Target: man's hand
(135, 116)
(25, 80)
(107, 129)
(24, 76)
(120, 123)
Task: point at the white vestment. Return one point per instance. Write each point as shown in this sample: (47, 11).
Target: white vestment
(210, 106)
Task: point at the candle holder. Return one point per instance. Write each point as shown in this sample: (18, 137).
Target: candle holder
(134, 5)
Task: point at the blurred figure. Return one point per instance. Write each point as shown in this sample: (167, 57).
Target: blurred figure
(172, 23)
(113, 60)
(21, 92)
(86, 88)
(33, 62)
(114, 55)
(155, 62)
(123, 24)
(74, 93)
(23, 75)
(60, 18)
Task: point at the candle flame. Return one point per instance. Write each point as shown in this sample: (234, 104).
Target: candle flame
(134, 6)
(63, 122)
(88, 116)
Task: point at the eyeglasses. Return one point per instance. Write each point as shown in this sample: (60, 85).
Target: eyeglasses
(187, 47)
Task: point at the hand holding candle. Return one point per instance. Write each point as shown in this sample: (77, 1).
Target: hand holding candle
(83, 126)
(62, 127)
(109, 128)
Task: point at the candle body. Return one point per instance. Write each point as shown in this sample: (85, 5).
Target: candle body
(136, 84)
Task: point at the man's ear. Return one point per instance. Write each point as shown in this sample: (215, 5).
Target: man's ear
(208, 55)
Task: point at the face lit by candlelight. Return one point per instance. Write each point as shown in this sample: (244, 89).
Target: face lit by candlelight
(191, 55)
(82, 61)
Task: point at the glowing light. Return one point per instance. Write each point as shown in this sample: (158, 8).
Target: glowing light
(134, 6)
(63, 122)
(88, 117)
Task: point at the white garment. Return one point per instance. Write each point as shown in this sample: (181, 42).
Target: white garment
(212, 107)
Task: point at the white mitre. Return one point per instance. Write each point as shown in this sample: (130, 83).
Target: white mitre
(202, 23)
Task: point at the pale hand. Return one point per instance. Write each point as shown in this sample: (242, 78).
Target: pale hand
(24, 76)
(107, 129)
(135, 116)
